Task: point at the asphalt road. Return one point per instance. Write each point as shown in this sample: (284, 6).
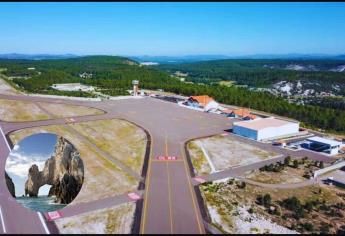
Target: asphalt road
(170, 204)
(14, 217)
(81, 208)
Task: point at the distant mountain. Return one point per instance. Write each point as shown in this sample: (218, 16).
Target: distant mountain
(36, 56)
(182, 59)
(196, 58)
(178, 59)
(294, 56)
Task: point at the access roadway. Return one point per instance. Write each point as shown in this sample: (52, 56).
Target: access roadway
(170, 204)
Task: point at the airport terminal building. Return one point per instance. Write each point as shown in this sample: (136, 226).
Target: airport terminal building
(266, 128)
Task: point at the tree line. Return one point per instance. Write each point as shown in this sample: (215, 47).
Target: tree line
(114, 76)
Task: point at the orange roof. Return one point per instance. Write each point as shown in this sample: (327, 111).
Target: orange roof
(202, 100)
(251, 116)
(242, 112)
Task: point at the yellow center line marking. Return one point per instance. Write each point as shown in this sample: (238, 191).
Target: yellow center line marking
(191, 190)
(166, 145)
(170, 203)
(169, 185)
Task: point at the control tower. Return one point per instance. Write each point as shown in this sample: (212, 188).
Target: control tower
(135, 87)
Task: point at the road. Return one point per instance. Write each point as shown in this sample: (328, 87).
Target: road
(170, 204)
(14, 217)
(81, 208)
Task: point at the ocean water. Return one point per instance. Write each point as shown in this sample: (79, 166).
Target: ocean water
(40, 203)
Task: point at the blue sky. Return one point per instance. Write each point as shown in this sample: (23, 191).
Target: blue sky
(172, 28)
(35, 149)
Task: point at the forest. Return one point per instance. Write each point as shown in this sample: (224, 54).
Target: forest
(113, 75)
(260, 72)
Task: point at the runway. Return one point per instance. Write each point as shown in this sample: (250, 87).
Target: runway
(170, 205)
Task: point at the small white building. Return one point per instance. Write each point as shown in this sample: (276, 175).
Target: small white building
(73, 87)
(325, 145)
(265, 128)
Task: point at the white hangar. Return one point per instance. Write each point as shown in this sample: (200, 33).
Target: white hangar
(265, 128)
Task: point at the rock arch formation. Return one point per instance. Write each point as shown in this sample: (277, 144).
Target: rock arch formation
(64, 171)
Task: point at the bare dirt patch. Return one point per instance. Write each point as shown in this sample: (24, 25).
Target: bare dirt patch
(285, 174)
(12, 110)
(226, 152)
(62, 110)
(123, 140)
(115, 220)
(318, 208)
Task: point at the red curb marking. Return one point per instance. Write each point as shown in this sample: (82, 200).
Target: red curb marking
(133, 196)
(199, 179)
(53, 215)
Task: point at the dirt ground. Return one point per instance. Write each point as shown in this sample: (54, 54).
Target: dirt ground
(115, 220)
(130, 141)
(287, 175)
(102, 178)
(225, 152)
(11, 110)
(228, 204)
(62, 110)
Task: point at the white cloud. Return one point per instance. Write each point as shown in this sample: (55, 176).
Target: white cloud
(18, 164)
(16, 147)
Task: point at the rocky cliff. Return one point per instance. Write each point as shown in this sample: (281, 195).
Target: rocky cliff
(64, 171)
(10, 185)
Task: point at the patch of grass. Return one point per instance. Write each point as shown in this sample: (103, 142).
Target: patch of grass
(199, 162)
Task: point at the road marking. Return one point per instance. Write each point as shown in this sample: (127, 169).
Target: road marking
(3, 135)
(166, 145)
(2, 217)
(165, 158)
(43, 222)
(39, 214)
(133, 196)
(200, 180)
(170, 203)
(2, 221)
(191, 191)
(143, 220)
(53, 215)
(169, 185)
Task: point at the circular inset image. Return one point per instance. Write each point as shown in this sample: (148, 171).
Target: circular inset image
(44, 172)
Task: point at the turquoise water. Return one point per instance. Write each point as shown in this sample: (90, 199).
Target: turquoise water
(41, 203)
